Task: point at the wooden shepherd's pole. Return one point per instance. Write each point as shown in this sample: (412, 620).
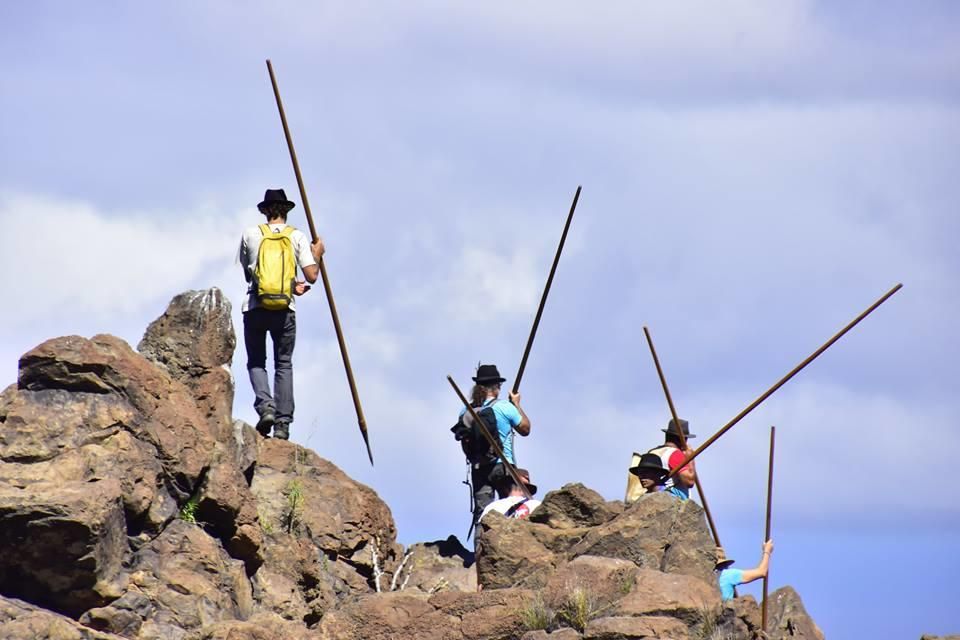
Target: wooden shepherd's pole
(766, 535)
(546, 292)
(491, 440)
(683, 437)
(766, 394)
(323, 270)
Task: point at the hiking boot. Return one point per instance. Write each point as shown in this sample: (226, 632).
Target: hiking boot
(266, 421)
(281, 431)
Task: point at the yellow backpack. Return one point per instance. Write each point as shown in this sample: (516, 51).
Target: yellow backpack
(276, 270)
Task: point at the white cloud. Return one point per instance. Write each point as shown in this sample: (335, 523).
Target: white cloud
(72, 256)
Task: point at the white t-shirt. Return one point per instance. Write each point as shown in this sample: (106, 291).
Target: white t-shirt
(250, 247)
(504, 505)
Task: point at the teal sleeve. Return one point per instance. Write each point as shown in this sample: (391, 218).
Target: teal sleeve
(728, 579)
(509, 412)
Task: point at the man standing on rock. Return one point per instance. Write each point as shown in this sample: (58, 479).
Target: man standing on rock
(502, 417)
(269, 255)
(671, 454)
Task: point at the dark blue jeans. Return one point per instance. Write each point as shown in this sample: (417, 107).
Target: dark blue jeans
(282, 327)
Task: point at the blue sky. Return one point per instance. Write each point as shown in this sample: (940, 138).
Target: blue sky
(754, 175)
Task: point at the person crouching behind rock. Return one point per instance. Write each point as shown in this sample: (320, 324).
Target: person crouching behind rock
(501, 418)
(515, 504)
(646, 476)
(728, 577)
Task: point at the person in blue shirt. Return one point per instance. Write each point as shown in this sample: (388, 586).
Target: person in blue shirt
(728, 577)
(487, 470)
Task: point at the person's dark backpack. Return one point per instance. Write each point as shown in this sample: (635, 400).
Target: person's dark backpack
(475, 446)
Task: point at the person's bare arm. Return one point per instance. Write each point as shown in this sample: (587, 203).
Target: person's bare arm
(312, 271)
(524, 427)
(749, 575)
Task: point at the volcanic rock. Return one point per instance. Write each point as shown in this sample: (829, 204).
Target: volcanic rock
(439, 565)
(24, 621)
(62, 543)
(194, 342)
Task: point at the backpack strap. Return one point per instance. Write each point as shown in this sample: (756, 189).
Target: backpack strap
(512, 510)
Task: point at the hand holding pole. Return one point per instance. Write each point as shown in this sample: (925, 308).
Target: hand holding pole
(493, 443)
(766, 535)
(361, 421)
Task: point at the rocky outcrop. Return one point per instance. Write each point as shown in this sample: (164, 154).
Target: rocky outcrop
(489, 615)
(658, 532)
(194, 341)
(132, 505)
(21, 620)
(63, 544)
(788, 618)
(441, 565)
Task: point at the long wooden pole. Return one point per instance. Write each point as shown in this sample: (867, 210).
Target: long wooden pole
(546, 292)
(766, 394)
(490, 439)
(323, 269)
(766, 535)
(683, 437)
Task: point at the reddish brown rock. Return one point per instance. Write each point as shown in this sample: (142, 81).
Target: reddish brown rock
(194, 342)
(23, 621)
(389, 616)
(438, 566)
(655, 593)
(659, 532)
(575, 506)
(302, 494)
(260, 627)
(740, 618)
(165, 412)
(181, 581)
(787, 617)
(565, 633)
(226, 504)
(627, 628)
(509, 553)
(63, 544)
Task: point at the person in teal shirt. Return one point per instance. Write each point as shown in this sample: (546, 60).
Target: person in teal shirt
(728, 577)
(486, 474)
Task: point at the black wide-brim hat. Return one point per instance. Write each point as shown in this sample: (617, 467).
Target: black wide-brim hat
(525, 476)
(487, 373)
(722, 561)
(672, 428)
(649, 462)
(275, 197)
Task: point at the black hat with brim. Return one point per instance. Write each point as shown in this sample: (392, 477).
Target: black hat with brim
(722, 561)
(274, 197)
(525, 476)
(672, 429)
(487, 374)
(649, 462)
